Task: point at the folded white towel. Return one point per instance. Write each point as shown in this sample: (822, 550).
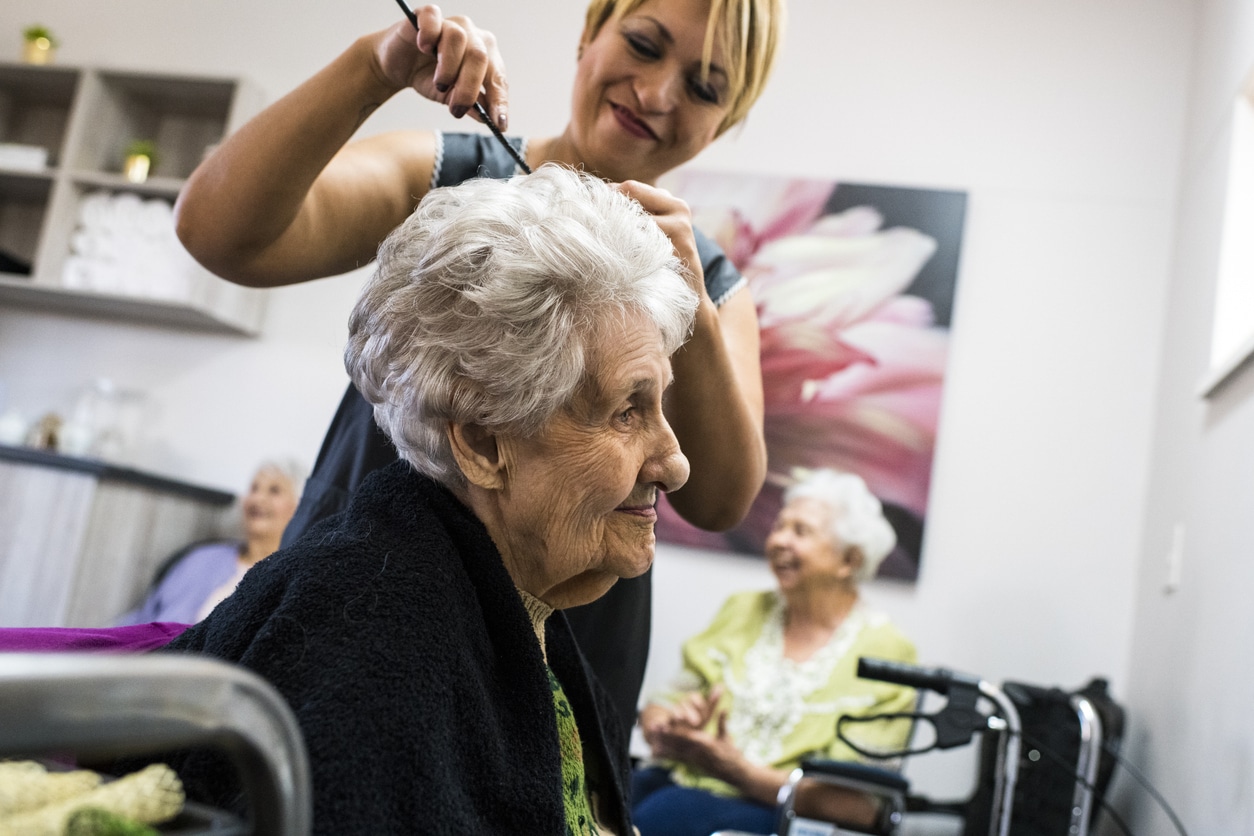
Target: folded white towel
(93, 209)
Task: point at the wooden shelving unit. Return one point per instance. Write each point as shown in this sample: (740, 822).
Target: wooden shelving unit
(84, 118)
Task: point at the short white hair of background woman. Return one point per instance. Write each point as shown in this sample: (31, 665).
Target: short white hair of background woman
(857, 515)
(293, 470)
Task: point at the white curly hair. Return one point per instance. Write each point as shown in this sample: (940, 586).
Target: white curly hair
(857, 516)
(483, 303)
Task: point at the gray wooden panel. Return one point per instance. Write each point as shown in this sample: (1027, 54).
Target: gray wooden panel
(129, 533)
(43, 519)
(78, 551)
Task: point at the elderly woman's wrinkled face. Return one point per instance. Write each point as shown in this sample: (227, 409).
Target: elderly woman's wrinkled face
(802, 549)
(269, 505)
(578, 511)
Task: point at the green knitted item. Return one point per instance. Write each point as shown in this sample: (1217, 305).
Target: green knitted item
(578, 803)
(93, 821)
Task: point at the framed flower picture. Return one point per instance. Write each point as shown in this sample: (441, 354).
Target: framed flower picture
(855, 289)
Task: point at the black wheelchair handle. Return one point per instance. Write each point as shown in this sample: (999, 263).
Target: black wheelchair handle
(939, 680)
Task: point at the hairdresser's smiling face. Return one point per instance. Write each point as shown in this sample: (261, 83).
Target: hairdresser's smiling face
(641, 105)
(577, 512)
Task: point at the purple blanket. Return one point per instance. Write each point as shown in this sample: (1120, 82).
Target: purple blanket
(134, 638)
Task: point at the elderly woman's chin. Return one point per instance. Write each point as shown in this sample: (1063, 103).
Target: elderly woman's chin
(581, 589)
(630, 543)
(628, 554)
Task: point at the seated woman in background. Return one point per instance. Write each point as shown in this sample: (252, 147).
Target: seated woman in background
(515, 342)
(763, 686)
(209, 572)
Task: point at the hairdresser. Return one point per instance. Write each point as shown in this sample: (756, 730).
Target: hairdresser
(288, 199)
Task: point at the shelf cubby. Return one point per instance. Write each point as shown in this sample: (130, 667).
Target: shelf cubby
(84, 119)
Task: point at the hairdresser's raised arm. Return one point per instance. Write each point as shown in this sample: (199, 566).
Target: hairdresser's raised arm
(284, 200)
(716, 404)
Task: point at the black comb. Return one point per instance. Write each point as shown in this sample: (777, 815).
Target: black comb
(483, 114)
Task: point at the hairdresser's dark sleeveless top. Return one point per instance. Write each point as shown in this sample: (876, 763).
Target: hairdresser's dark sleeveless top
(613, 631)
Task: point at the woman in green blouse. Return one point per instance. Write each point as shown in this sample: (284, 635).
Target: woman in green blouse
(763, 685)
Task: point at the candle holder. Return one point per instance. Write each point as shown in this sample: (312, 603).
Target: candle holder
(39, 46)
(141, 158)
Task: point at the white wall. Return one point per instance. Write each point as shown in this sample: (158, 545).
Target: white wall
(1192, 686)
(1064, 121)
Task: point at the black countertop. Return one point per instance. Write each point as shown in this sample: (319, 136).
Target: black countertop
(113, 473)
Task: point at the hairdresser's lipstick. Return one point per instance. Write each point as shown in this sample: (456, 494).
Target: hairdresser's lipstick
(631, 124)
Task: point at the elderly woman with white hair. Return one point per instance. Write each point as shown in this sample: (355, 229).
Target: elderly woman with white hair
(515, 341)
(763, 686)
(201, 575)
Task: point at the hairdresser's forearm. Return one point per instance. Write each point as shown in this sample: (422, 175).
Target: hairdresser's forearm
(716, 412)
(252, 212)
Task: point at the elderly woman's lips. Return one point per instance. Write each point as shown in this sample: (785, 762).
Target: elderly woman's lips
(631, 124)
(646, 512)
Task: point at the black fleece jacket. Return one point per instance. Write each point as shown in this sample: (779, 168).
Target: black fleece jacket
(400, 642)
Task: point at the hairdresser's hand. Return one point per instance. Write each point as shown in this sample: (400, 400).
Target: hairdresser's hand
(675, 218)
(449, 60)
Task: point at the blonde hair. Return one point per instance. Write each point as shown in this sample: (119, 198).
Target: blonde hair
(749, 31)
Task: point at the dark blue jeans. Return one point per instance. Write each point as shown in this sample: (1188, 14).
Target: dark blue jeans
(661, 808)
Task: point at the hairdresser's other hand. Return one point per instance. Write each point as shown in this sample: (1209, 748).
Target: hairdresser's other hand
(675, 218)
(449, 60)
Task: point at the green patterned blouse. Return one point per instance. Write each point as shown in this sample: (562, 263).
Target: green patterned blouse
(575, 795)
(780, 711)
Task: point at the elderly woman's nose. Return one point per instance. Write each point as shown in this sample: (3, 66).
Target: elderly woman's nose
(666, 466)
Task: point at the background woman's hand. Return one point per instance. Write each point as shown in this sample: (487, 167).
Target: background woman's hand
(693, 731)
(449, 60)
(711, 752)
(696, 709)
(691, 712)
(654, 719)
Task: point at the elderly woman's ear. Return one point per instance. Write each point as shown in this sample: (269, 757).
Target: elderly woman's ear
(854, 558)
(478, 455)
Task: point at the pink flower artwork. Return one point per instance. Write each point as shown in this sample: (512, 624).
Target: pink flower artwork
(853, 354)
